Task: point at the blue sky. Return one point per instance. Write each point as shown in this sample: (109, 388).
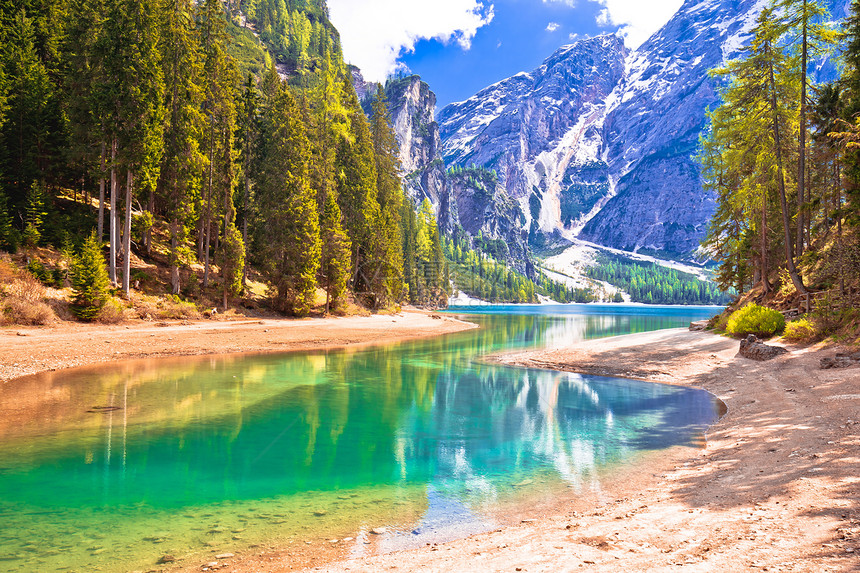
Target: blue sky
(461, 46)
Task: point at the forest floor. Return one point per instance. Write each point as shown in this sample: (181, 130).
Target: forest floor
(28, 350)
(776, 486)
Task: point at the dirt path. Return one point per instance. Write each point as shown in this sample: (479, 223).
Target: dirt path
(776, 488)
(26, 351)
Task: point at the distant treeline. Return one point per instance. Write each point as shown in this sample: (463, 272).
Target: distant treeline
(654, 284)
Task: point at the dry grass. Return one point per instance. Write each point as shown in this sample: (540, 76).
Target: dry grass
(22, 298)
(164, 308)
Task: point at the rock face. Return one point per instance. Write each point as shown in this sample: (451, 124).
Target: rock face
(542, 132)
(473, 200)
(599, 143)
(754, 350)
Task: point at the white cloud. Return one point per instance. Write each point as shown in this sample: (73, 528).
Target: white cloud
(636, 19)
(570, 3)
(552, 26)
(375, 34)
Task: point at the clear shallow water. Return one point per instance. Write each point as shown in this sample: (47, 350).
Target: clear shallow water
(113, 467)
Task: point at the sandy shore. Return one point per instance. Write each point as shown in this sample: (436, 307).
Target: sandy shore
(776, 488)
(26, 350)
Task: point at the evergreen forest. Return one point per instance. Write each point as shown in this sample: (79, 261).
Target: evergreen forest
(224, 140)
(781, 156)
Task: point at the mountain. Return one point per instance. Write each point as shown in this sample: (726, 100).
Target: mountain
(469, 199)
(598, 143)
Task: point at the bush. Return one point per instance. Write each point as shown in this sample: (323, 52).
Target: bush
(111, 313)
(800, 331)
(755, 319)
(22, 300)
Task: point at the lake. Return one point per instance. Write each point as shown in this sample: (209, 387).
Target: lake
(113, 467)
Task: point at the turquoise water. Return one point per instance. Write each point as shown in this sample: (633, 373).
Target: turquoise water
(109, 468)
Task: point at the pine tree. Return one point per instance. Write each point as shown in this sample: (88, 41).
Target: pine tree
(182, 162)
(248, 121)
(335, 248)
(357, 195)
(807, 21)
(287, 225)
(749, 146)
(35, 214)
(90, 281)
(232, 260)
(390, 198)
(29, 135)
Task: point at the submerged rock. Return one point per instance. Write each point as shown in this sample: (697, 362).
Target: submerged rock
(754, 350)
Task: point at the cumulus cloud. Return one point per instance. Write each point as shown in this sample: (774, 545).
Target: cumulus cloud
(373, 37)
(552, 26)
(636, 19)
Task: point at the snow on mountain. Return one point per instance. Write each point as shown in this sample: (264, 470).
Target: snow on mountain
(599, 143)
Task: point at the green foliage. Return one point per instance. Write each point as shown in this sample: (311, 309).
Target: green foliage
(8, 233)
(36, 268)
(141, 224)
(35, 213)
(90, 284)
(755, 319)
(800, 330)
(650, 283)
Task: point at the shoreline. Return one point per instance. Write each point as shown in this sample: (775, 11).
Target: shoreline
(25, 351)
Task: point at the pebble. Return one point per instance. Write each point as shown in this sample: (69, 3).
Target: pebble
(379, 530)
(224, 556)
(320, 512)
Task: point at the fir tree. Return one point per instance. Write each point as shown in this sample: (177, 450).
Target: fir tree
(287, 225)
(182, 162)
(232, 259)
(390, 199)
(90, 281)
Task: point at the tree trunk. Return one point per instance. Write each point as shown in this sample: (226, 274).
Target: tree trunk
(113, 193)
(763, 258)
(801, 163)
(147, 239)
(207, 210)
(101, 227)
(126, 263)
(780, 176)
(174, 263)
(245, 226)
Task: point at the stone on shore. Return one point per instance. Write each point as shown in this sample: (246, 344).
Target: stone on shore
(840, 361)
(754, 350)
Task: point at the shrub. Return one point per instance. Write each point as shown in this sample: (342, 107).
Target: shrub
(800, 330)
(22, 300)
(755, 319)
(90, 282)
(111, 313)
(22, 311)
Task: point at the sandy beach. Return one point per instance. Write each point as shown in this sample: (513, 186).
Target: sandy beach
(776, 487)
